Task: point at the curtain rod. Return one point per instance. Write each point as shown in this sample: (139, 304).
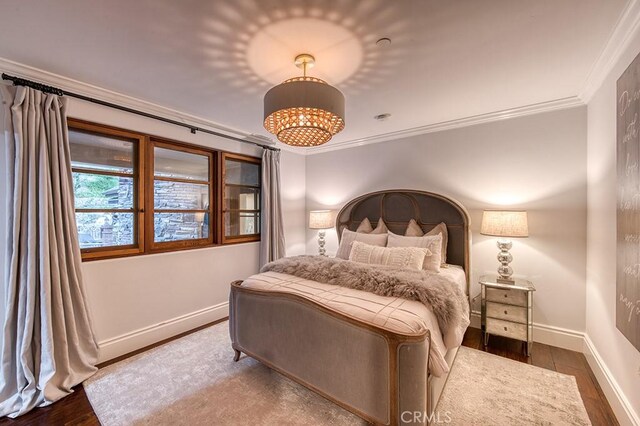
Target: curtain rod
(17, 81)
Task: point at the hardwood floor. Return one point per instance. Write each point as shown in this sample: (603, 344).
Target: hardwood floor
(76, 410)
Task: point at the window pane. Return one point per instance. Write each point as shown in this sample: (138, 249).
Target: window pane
(180, 195)
(182, 165)
(101, 152)
(105, 229)
(242, 198)
(102, 192)
(180, 226)
(241, 223)
(242, 173)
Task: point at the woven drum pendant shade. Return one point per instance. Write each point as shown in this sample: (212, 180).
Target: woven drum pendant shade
(304, 111)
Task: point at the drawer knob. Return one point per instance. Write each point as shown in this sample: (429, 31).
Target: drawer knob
(505, 312)
(505, 329)
(505, 296)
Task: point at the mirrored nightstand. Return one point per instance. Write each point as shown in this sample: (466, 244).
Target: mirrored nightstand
(507, 310)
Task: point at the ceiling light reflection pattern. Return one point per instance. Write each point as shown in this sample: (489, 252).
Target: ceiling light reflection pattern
(231, 26)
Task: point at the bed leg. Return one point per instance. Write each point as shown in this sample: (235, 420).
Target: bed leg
(236, 357)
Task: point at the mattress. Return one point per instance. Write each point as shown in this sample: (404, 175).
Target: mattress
(391, 313)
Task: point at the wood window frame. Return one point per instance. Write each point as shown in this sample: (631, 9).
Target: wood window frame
(159, 247)
(222, 203)
(138, 139)
(143, 199)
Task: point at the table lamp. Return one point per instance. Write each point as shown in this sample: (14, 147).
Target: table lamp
(321, 220)
(505, 224)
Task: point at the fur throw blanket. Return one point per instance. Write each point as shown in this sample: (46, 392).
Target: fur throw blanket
(445, 299)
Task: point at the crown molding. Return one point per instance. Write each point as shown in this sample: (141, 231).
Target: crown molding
(71, 85)
(619, 39)
(52, 79)
(558, 104)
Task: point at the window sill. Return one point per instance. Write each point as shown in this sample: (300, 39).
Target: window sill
(165, 252)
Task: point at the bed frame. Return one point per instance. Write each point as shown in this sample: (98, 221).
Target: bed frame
(380, 375)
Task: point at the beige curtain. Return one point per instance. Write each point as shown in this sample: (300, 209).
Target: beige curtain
(47, 345)
(271, 230)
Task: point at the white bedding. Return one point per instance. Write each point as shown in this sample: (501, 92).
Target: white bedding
(392, 313)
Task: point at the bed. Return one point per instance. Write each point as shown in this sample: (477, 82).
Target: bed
(389, 372)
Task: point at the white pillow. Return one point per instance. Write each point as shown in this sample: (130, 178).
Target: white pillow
(413, 229)
(398, 257)
(432, 242)
(365, 226)
(348, 237)
(381, 228)
(441, 228)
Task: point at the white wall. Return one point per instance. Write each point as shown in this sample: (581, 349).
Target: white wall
(537, 163)
(615, 352)
(139, 300)
(293, 185)
(141, 294)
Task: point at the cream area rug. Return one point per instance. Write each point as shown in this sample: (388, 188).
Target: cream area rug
(485, 389)
(194, 381)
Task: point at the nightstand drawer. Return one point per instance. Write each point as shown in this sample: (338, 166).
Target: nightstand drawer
(507, 312)
(507, 329)
(510, 297)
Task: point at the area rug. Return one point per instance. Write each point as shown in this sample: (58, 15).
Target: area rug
(194, 381)
(486, 389)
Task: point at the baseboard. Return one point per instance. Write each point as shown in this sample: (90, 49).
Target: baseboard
(620, 405)
(129, 342)
(547, 334)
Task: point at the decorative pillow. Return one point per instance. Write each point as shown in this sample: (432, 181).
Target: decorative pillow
(348, 237)
(365, 226)
(413, 229)
(441, 228)
(432, 242)
(381, 228)
(398, 257)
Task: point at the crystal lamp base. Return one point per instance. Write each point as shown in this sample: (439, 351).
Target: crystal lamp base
(504, 257)
(321, 250)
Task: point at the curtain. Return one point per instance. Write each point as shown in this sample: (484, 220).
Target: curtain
(47, 345)
(271, 230)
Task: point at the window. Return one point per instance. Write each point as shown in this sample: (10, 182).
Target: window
(137, 194)
(241, 209)
(181, 197)
(107, 190)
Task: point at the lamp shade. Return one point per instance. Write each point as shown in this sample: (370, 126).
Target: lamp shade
(304, 111)
(320, 219)
(504, 223)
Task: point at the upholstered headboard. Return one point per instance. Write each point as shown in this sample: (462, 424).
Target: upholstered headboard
(398, 207)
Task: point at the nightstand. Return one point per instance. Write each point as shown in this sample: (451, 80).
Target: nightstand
(507, 309)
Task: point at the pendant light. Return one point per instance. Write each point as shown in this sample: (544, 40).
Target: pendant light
(304, 111)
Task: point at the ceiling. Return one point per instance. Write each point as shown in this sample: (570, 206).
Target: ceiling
(215, 59)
